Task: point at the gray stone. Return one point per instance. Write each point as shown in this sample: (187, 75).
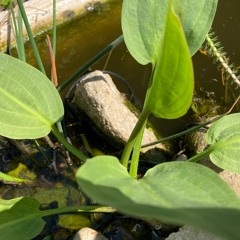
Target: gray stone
(98, 97)
(88, 234)
(190, 233)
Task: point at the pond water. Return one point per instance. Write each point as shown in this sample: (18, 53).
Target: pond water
(78, 41)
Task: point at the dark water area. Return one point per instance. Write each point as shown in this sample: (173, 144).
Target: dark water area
(226, 25)
(80, 40)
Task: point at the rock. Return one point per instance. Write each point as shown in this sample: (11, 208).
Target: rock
(233, 179)
(190, 233)
(196, 143)
(88, 234)
(99, 98)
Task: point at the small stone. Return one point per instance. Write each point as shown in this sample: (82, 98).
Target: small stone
(190, 233)
(98, 97)
(88, 234)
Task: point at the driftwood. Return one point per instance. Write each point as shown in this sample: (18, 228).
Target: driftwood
(98, 97)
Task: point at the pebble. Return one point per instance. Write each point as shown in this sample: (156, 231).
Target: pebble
(88, 234)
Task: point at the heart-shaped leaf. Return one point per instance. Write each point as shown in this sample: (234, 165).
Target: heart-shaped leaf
(143, 23)
(176, 192)
(196, 18)
(20, 218)
(29, 103)
(170, 92)
(224, 138)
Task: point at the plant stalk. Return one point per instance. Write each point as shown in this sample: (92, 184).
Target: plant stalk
(21, 47)
(78, 209)
(30, 35)
(54, 35)
(69, 146)
(132, 139)
(136, 152)
(220, 58)
(190, 130)
(201, 155)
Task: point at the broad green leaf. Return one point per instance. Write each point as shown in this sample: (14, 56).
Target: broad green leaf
(224, 138)
(29, 103)
(170, 92)
(143, 24)
(196, 18)
(175, 192)
(20, 218)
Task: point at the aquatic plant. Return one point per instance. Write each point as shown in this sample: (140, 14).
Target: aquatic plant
(165, 35)
(214, 49)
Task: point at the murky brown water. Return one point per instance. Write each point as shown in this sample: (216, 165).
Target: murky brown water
(82, 39)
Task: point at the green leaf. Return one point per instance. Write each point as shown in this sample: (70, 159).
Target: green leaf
(143, 24)
(4, 2)
(176, 192)
(196, 18)
(29, 103)
(8, 179)
(224, 138)
(20, 218)
(170, 92)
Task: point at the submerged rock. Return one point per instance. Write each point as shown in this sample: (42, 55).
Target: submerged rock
(98, 97)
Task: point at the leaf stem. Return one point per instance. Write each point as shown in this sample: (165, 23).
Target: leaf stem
(69, 146)
(136, 152)
(78, 209)
(54, 34)
(30, 35)
(132, 139)
(20, 38)
(183, 132)
(201, 155)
